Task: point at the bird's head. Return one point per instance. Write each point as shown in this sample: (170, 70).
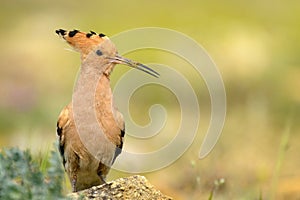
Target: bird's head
(99, 51)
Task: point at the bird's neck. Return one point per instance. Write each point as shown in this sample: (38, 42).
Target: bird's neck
(93, 101)
(94, 87)
(93, 111)
(103, 95)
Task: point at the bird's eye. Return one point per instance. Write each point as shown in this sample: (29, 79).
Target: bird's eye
(99, 53)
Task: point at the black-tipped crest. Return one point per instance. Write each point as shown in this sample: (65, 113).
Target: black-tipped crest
(73, 33)
(88, 35)
(61, 32)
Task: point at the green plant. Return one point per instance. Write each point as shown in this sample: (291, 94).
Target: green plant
(283, 147)
(22, 178)
(218, 183)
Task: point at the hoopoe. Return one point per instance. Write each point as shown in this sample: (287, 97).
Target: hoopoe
(98, 58)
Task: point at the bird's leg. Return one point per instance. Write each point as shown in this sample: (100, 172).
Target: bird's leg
(73, 182)
(101, 172)
(102, 179)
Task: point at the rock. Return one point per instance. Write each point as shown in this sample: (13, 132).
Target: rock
(133, 187)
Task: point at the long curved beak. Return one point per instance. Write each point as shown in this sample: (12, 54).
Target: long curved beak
(121, 60)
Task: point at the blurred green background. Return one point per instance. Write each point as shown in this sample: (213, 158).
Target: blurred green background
(255, 44)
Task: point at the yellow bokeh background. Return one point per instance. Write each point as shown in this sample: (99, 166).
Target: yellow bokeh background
(255, 45)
